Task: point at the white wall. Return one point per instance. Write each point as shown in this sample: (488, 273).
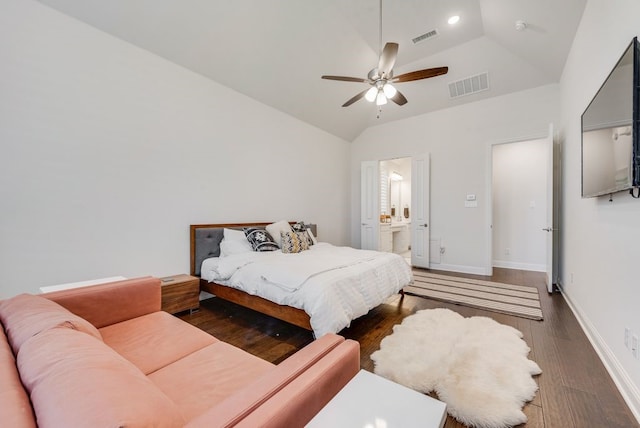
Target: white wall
(599, 257)
(459, 140)
(108, 153)
(520, 205)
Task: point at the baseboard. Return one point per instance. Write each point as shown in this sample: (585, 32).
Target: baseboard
(474, 270)
(625, 385)
(521, 266)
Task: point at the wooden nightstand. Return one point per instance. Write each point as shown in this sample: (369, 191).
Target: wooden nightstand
(180, 293)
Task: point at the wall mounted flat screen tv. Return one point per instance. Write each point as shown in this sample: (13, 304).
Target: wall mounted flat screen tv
(610, 126)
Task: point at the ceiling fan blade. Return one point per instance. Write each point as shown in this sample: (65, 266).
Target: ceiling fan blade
(346, 79)
(420, 74)
(399, 99)
(387, 59)
(356, 98)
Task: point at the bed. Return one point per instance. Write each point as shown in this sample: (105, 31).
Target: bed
(321, 289)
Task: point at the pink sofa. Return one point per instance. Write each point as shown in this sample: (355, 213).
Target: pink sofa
(106, 355)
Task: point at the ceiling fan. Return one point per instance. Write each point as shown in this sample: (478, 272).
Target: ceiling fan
(381, 77)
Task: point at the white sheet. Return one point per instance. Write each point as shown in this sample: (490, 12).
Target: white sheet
(334, 285)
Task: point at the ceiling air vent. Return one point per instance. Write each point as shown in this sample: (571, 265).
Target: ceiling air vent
(470, 85)
(425, 36)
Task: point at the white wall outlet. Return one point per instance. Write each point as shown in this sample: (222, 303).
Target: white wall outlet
(627, 336)
(634, 346)
(507, 251)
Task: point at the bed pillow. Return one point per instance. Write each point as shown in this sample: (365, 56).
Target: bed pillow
(277, 228)
(294, 242)
(299, 226)
(229, 248)
(233, 235)
(234, 242)
(312, 237)
(260, 239)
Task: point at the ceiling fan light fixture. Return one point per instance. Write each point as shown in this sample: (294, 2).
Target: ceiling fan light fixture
(371, 94)
(381, 76)
(389, 90)
(381, 99)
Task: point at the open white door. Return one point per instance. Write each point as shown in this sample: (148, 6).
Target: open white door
(551, 230)
(420, 211)
(369, 208)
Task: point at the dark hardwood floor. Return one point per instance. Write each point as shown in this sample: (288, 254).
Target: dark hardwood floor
(575, 388)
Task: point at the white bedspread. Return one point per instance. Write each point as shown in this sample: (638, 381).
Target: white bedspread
(334, 285)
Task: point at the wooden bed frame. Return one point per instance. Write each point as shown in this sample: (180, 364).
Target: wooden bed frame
(289, 314)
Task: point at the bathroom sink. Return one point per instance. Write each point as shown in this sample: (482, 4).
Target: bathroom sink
(398, 226)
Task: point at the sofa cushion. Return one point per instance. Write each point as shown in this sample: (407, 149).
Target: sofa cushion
(236, 407)
(164, 340)
(15, 408)
(301, 399)
(208, 376)
(125, 300)
(26, 315)
(75, 380)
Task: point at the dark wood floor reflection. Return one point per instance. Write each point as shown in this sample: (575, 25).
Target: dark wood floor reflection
(575, 388)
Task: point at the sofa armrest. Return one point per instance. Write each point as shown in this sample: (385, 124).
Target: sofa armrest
(314, 374)
(113, 302)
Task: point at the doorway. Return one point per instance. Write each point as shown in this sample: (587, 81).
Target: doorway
(523, 206)
(394, 213)
(395, 203)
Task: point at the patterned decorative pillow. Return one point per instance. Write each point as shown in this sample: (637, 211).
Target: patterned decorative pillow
(294, 242)
(299, 227)
(260, 239)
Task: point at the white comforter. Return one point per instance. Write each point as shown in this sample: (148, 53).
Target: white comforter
(334, 285)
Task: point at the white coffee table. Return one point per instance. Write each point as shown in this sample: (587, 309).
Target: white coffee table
(371, 401)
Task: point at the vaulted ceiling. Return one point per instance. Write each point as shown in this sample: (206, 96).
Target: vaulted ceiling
(275, 51)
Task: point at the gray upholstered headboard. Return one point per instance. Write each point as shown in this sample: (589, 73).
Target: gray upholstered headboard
(206, 238)
(205, 241)
(207, 244)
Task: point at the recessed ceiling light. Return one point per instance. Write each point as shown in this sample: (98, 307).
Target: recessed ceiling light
(454, 19)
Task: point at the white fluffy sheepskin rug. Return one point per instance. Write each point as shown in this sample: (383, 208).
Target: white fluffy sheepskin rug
(476, 365)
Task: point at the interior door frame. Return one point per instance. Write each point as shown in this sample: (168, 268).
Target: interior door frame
(489, 189)
(377, 178)
(421, 210)
(369, 204)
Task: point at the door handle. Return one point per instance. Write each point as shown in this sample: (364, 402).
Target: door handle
(547, 229)
(425, 225)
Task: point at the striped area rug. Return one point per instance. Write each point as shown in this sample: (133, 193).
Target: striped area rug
(518, 300)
